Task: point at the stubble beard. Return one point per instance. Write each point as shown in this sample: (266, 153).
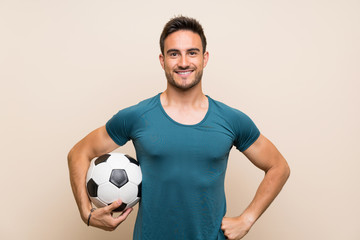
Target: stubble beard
(172, 82)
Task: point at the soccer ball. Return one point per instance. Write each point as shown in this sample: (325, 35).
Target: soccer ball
(114, 176)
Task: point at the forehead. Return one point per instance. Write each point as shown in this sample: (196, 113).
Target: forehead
(182, 40)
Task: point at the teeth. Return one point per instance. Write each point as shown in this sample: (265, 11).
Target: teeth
(183, 73)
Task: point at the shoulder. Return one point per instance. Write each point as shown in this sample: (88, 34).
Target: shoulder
(140, 108)
(245, 130)
(120, 126)
(130, 115)
(226, 110)
(236, 120)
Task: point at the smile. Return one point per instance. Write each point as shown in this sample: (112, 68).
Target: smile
(184, 73)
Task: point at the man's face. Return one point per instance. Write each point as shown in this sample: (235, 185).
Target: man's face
(183, 60)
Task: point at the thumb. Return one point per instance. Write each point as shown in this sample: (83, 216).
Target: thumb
(117, 206)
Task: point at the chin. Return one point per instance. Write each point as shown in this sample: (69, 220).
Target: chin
(177, 82)
(186, 86)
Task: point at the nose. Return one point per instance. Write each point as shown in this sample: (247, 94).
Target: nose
(183, 62)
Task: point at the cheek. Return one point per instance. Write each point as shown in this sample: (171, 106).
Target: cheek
(169, 65)
(199, 64)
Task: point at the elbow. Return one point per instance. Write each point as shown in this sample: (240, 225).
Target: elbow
(282, 170)
(286, 171)
(70, 155)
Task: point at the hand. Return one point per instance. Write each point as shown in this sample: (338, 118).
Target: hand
(103, 217)
(235, 228)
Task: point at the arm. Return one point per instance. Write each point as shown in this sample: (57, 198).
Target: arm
(93, 145)
(264, 155)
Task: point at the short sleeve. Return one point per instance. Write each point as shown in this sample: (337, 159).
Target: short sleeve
(118, 126)
(246, 131)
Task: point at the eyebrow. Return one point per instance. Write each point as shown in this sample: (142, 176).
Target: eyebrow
(177, 50)
(193, 49)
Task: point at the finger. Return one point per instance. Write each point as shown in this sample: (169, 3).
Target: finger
(113, 206)
(125, 214)
(223, 223)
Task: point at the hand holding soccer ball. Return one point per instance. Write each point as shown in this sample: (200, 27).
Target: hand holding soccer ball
(114, 176)
(103, 217)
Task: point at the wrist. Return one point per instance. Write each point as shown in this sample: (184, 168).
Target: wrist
(247, 219)
(85, 214)
(89, 217)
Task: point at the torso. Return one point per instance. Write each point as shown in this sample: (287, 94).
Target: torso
(183, 161)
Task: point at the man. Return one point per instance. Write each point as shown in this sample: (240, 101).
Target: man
(182, 140)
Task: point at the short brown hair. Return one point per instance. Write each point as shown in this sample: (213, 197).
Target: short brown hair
(182, 23)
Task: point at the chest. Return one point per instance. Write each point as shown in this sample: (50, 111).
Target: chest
(186, 116)
(161, 138)
(182, 155)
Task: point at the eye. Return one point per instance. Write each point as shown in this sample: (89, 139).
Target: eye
(192, 53)
(173, 54)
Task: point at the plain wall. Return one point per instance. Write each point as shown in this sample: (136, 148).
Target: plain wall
(293, 66)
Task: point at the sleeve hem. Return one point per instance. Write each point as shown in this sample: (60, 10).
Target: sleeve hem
(251, 142)
(118, 140)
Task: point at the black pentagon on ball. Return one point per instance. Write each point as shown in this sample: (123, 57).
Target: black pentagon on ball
(102, 159)
(120, 208)
(92, 188)
(118, 177)
(139, 190)
(132, 160)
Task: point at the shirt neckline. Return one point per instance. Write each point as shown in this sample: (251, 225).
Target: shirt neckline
(181, 124)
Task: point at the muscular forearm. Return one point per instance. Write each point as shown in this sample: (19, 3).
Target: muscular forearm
(78, 164)
(268, 189)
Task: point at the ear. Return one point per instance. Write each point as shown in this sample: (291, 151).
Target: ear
(161, 58)
(206, 58)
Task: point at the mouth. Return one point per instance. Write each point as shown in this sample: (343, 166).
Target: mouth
(184, 73)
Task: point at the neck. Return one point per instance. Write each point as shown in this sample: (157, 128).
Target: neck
(186, 98)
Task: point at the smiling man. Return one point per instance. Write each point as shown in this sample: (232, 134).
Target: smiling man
(182, 139)
(184, 64)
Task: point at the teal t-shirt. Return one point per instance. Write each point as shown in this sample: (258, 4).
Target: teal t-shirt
(183, 167)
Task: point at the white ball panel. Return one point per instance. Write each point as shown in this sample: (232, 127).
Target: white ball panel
(134, 173)
(118, 161)
(97, 202)
(108, 192)
(128, 192)
(90, 170)
(101, 173)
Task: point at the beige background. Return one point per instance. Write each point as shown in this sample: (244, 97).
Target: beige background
(293, 66)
